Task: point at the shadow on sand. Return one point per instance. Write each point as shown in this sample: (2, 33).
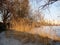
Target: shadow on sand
(30, 38)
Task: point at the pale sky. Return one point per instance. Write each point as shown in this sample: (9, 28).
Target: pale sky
(52, 13)
(0, 17)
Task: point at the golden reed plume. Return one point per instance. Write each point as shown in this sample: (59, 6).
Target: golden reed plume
(24, 24)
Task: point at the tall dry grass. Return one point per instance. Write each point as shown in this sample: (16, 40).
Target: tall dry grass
(25, 37)
(24, 24)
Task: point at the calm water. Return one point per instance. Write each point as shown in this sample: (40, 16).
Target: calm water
(50, 30)
(55, 29)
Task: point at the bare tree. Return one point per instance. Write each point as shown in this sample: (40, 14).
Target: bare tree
(48, 3)
(17, 9)
(5, 12)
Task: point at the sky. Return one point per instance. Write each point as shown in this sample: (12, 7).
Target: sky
(50, 13)
(54, 13)
(0, 17)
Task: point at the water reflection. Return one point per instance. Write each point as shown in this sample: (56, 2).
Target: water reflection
(52, 32)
